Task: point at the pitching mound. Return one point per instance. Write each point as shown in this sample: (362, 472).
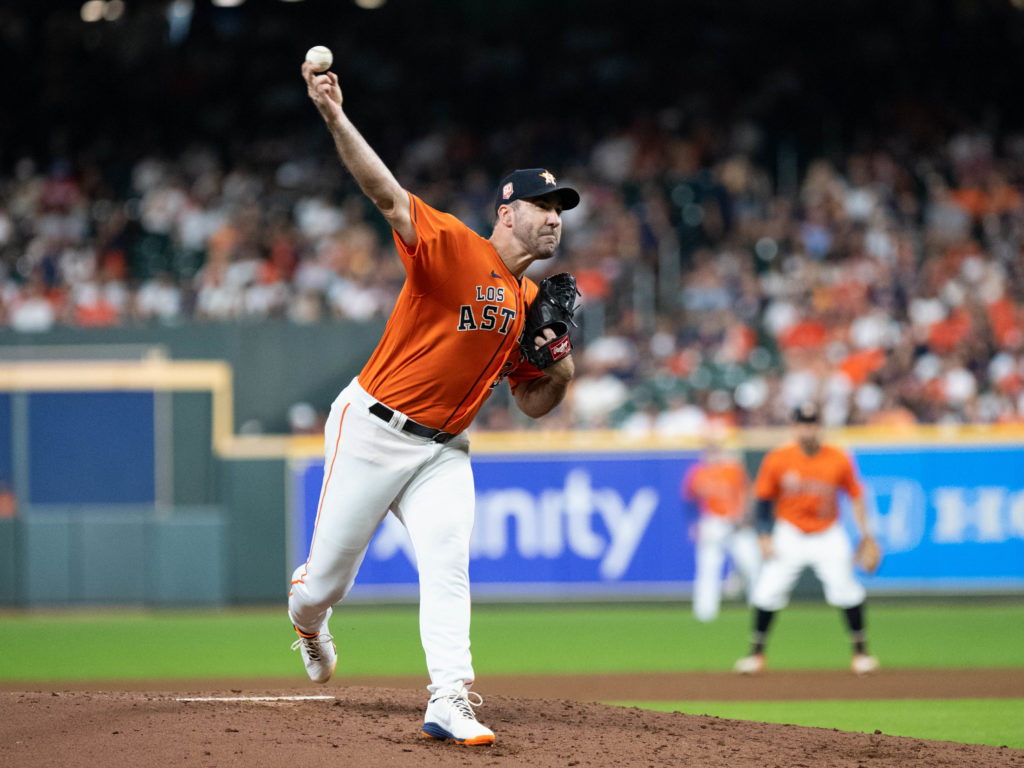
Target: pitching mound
(371, 726)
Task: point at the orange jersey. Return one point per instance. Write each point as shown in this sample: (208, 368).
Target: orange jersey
(718, 489)
(805, 488)
(453, 334)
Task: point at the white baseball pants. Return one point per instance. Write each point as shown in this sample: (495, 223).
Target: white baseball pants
(828, 553)
(716, 537)
(371, 467)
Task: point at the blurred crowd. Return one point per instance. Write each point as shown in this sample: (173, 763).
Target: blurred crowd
(728, 274)
(889, 289)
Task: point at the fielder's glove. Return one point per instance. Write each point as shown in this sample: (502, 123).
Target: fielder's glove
(868, 555)
(552, 308)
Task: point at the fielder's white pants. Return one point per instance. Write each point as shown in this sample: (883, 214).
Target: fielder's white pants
(828, 553)
(716, 537)
(371, 467)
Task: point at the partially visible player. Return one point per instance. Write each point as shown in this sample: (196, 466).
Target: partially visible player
(718, 487)
(802, 480)
(395, 438)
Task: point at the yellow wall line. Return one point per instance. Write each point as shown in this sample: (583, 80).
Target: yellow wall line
(215, 377)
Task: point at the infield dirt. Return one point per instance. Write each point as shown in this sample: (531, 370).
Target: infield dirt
(542, 722)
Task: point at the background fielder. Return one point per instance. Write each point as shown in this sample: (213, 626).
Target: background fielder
(394, 438)
(718, 487)
(802, 481)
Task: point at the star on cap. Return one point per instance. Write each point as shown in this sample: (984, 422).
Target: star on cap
(548, 178)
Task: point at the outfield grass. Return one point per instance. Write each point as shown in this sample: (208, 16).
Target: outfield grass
(996, 722)
(507, 639)
(617, 638)
(537, 639)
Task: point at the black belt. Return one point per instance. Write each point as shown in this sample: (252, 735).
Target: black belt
(384, 413)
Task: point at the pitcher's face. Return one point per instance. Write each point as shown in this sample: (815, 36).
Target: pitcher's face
(538, 225)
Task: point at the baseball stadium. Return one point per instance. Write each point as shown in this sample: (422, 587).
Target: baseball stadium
(239, 282)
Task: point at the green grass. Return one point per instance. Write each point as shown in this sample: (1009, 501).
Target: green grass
(140, 645)
(996, 722)
(653, 638)
(507, 639)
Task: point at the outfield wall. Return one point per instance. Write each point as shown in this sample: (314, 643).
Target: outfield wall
(274, 363)
(133, 486)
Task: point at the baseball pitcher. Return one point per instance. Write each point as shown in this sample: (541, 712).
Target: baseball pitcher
(466, 320)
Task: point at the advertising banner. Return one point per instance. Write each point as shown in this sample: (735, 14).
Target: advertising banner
(607, 524)
(949, 518)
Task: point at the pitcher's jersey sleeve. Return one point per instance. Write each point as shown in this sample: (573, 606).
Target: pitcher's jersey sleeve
(454, 329)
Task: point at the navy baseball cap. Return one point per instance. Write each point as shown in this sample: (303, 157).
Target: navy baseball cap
(525, 183)
(807, 414)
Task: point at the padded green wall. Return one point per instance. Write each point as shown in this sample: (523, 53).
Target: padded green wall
(115, 557)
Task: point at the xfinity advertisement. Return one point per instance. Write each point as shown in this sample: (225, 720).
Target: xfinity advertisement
(601, 524)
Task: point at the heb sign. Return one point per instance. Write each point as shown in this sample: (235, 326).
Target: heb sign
(612, 523)
(949, 517)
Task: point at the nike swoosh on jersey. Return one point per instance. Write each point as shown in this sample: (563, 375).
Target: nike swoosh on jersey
(495, 274)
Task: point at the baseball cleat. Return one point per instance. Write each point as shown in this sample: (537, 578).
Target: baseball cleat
(863, 664)
(450, 716)
(319, 653)
(750, 665)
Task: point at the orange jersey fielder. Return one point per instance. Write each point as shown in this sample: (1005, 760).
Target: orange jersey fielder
(805, 488)
(718, 489)
(455, 280)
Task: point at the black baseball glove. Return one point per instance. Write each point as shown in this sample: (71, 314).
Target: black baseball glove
(553, 308)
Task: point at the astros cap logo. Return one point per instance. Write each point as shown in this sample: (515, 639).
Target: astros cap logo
(528, 183)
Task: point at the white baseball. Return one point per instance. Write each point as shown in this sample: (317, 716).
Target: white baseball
(320, 57)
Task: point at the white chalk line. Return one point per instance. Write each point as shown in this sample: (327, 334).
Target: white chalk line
(255, 698)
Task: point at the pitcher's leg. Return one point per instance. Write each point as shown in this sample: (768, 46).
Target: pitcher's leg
(437, 508)
(354, 498)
